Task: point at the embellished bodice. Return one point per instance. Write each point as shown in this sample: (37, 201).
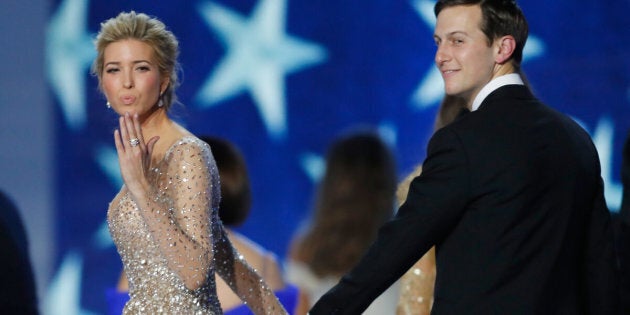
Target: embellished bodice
(172, 245)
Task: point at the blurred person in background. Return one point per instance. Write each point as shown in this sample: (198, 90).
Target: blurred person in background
(235, 206)
(17, 287)
(354, 198)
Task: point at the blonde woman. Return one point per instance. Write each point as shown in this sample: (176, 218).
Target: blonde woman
(164, 221)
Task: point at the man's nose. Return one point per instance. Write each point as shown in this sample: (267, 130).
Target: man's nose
(441, 55)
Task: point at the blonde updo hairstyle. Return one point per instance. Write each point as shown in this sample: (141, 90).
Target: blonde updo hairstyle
(149, 30)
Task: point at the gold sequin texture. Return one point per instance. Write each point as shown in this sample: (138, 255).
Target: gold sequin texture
(172, 246)
(417, 284)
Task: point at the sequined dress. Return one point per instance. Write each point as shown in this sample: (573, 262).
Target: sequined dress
(171, 246)
(416, 292)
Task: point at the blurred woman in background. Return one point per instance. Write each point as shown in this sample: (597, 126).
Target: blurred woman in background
(354, 198)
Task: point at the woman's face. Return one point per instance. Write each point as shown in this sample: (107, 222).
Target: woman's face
(131, 78)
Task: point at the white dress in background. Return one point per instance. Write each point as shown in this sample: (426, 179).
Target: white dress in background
(302, 276)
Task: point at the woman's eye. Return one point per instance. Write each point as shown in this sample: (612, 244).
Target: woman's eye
(112, 70)
(143, 68)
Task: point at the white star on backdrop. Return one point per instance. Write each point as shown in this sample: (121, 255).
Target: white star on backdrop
(431, 90)
(260, 53)
(107, 159)
(64, 292)
(69, 53)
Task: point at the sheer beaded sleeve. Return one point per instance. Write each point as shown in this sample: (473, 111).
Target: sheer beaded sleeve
(243, 280)
(178, 212)
(181, 216)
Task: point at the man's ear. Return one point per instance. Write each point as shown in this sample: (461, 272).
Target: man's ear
(504, 48)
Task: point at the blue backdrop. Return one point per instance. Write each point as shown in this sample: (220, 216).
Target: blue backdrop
(282, 79)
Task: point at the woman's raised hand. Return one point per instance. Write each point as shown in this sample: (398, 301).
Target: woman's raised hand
(134, 154)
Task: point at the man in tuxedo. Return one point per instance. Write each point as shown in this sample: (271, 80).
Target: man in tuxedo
(510, 194)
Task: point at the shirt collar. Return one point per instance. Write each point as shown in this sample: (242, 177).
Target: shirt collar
(508, 79)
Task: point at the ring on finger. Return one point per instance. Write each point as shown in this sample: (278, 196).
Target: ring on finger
(134, 142)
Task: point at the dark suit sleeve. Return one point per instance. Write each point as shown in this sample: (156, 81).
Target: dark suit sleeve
(433, 207)
(624, 213)
(624, 229)
(601, 267)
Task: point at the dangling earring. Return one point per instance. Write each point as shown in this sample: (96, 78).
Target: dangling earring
(160, 102)
(108, 105)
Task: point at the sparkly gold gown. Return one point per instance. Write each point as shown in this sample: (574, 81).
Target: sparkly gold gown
(416, 287)
(172, 246)
(417, 284)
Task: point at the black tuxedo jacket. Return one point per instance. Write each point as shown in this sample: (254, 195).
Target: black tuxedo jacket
(624, 229)
(512, 197)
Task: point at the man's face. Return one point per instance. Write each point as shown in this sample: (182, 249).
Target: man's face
(463, 56)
